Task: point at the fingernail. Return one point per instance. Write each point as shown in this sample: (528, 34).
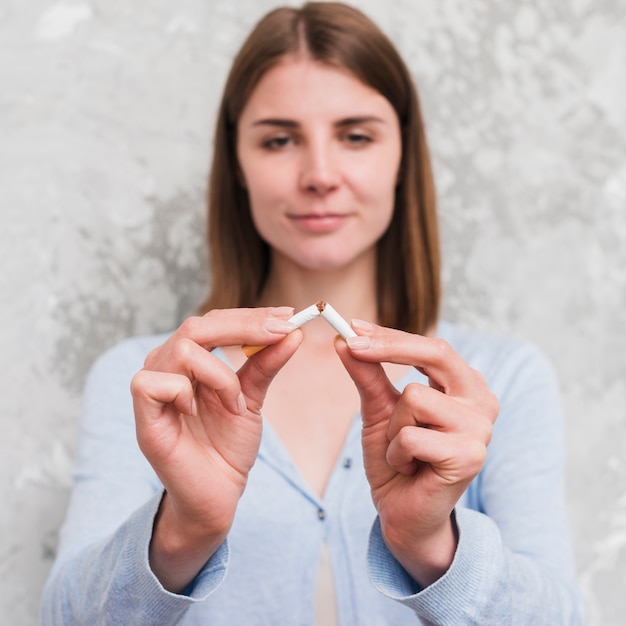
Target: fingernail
(358, 343)
(276, 325)
(241, 405)
(362, 325)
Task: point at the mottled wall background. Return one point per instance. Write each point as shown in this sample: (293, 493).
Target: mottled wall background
(106, 111)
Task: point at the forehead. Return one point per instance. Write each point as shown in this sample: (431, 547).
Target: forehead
(305, 87)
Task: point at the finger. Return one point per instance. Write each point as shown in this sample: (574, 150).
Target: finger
(229, 327)
(434, 356)
(256, 374)
(187, 358)
(378, 395)
(423, 406)
(152, 390)
(158, 400)
(454, 458)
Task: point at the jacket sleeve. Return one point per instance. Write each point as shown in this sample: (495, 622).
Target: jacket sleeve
(102, 574)
(514, 562)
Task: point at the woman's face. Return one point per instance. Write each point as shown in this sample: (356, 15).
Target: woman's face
(319, 153)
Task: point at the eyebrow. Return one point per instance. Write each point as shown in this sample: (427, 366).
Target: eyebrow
(276, 122)
(348, 121)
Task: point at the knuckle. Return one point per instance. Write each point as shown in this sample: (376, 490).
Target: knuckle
(479, 379)
(138, 383)
(489, 405)
(490, 401)
(476, 452)
(190, 326)
(486, 431)
(441, 348)
(212, 313)
(182, 350)
(406, 437)
(494, 406)
(413, 393)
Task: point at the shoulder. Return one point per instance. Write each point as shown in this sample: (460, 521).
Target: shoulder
(130, 349)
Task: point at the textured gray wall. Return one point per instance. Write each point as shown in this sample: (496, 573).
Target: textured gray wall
(106, 111)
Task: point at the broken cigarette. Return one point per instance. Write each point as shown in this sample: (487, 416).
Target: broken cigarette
(306, 315)
(336, 321)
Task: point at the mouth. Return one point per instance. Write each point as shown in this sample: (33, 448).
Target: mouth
(319, 222)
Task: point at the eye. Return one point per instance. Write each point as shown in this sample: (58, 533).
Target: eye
(357, 139)
(276, 143)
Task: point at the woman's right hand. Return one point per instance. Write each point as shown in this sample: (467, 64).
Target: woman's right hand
(199, 425)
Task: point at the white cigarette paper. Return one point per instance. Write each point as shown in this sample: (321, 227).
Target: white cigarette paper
(298, 319)
(306, 315)
(337, 322)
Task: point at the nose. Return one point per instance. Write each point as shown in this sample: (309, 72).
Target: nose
(319, 173)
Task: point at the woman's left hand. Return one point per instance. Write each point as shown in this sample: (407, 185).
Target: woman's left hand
(422, 446)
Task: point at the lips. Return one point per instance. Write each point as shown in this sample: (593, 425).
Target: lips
(319, 222)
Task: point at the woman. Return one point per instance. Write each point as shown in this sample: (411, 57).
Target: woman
(254, 507)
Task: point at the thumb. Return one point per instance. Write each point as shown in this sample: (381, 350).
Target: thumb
(259, 370)
(378, 395)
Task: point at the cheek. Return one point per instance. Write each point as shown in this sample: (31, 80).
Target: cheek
(379, 176)
(385, 215)
(384, 201)
(258, 210)
(264, 179)
(380, 187)
(263, 200)
(261, 191)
